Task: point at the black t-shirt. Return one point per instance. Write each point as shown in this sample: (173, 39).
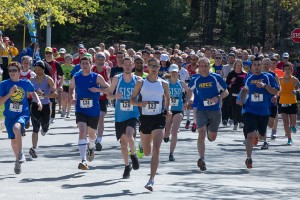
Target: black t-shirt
(115, 71)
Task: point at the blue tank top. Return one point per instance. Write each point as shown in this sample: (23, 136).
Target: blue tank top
(44, 87)
(176, 90)
(124, 110)
(87, 102)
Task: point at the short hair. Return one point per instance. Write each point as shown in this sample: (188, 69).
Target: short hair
(153, 59)
(205, 60)
(139, 59)
(86, 58)
(15, 64)
(288, 64)
(69, 56)
(126, 58)
(26, 58)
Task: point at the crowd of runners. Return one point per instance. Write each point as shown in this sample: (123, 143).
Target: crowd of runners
(152, 89)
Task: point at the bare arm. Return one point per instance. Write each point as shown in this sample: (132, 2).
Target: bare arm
(112, 88)
(53, 93)
(71, 90)
(136, 91)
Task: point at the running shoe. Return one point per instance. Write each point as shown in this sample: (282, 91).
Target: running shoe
(224, 122)
(166, 139)
(248, 163)
(52, 120)
(22, 157)
(135, 162)
(98, 146)
(187, 125)
(90, 154)
(273, 134)
(201, 164)
(83, 165)
(290, 142)
(255, 141)
(293, 129)
(241, 125)
(63, 113)
(127, 171)
(230, 122)
(149, 185)
(27, 125)
(235, 127)
(194, 127)
(32, 152)
(265, 146)
(171, 157)
(43, 132)
(68, 115)
(140, 151)
(17, 168)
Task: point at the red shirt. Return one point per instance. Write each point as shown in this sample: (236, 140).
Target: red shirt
(104, 75)
(189, 69)
(60, 60)
(76, 61)
(113, 59)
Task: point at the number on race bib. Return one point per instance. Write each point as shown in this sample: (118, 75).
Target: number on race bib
(86, 103)
(15, 107)
(125, 105)
(152, 106)
(67, 82)
(208, 102)
(174, 101)
(257, 97)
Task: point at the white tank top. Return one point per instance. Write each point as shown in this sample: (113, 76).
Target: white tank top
(153, 93)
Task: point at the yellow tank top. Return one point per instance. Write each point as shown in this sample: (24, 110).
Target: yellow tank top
(286, 92)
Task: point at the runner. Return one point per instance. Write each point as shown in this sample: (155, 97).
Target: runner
(126, 115)
(208, 97)
(288, 101)
(153, 91)
(67, 67)
(139, 67)
(87, 107)
(176, 89)
(104, 71)
(44, 87)
(16, 112)
(259, 86)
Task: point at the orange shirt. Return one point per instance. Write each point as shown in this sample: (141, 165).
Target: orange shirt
(286, 91)
(278, 72)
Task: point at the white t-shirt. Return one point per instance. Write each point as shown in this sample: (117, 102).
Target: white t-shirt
(183, 74)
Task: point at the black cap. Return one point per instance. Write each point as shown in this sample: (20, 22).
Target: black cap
(40, 64)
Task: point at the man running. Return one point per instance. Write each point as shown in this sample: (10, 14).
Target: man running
(87, 107)
(126, 115)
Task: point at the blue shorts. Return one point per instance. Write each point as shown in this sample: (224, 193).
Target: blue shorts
(10, 122)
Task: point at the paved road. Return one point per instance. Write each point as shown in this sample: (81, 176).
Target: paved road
(54, 174)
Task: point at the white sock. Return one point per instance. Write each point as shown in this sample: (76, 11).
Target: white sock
(99, 139)
(82, 148)
(92, 143)
(188, 112)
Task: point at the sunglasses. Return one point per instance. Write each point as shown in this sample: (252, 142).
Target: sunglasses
(48, 53)
(154, 66)
(12, 70)
(218, 58)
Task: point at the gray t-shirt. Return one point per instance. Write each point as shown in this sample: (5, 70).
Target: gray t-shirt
(226, 69)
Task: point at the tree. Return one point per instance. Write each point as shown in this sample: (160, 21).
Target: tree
(61, 11)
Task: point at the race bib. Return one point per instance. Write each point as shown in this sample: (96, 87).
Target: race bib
(125, 105)
(208, 102)
(15, 107)
(257, 97)
(152, 106)
(86, 103)
(174, 101)
(67, 82)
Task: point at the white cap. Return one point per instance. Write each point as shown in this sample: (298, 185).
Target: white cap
(62, 50)
(285, 55)
(173, 68)
(164, 57)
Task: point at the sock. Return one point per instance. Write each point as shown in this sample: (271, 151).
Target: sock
(92, 143)
(99, 139)
(82, 148)
(187, 112)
